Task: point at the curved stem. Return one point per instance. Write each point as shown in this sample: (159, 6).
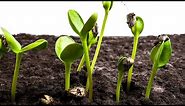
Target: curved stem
(67, 75)
(134, 50)
(120, 77)
(87, 60)
(154, 70)
(98, 45)
(99, 41)
(15, 76)
(149, 86)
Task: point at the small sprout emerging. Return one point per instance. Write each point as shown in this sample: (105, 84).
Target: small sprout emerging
(83, 30)
(160, 56)
(47, 100)
(124, 65)
(68, 51)
(78, 91)
(16, 47)
(136, 24)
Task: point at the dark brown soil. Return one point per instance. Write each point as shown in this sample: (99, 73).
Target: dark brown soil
(41, 73)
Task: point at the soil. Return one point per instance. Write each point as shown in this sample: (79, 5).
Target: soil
(42, 73)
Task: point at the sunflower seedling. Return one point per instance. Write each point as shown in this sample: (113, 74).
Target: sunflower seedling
(67, 50)
(124, 65)
(160, 56)
(83, 30)
(107, 7)
(136, 24)
(15, 46)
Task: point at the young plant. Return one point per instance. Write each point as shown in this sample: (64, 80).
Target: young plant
(136, 24)
(15, 46)
(124, 65)
(160, 56)
(82, 30)
(107, 7)
(68, 51)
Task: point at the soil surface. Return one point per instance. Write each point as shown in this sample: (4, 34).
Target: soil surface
(42, 73)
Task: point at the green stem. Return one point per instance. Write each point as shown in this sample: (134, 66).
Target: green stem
(120, 77)
(99, 41)
(150, 83)
(134, 50)
(98, 46)
(82, 61)
(87, 60)
(15, 76)
(154, 70)
(67, 75)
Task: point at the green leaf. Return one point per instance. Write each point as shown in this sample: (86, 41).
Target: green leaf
(138, 26)
(107, 5)
(67, 50)
(72, 52)
(12, 42)
(75, 21)
(37, 45)
(165, 55)
(89, 25)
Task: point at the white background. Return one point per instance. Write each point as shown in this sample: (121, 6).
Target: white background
(51, 17)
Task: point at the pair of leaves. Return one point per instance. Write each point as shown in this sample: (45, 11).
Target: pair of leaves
(16, 46)
(67, 50)
(163, 52)
(138, 26)
(78, 25)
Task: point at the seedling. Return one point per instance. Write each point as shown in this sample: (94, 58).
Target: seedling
(68, 51)
(124, 65)
(136, 25)
(107, 7)
(19, 51)
(82, 30)
(160, 56)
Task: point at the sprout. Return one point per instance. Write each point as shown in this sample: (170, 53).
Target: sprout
(107, 7)
(124, 65)
(82, 30)
(19, 51)
(136, 25)
(160, 56)
(68, 51)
